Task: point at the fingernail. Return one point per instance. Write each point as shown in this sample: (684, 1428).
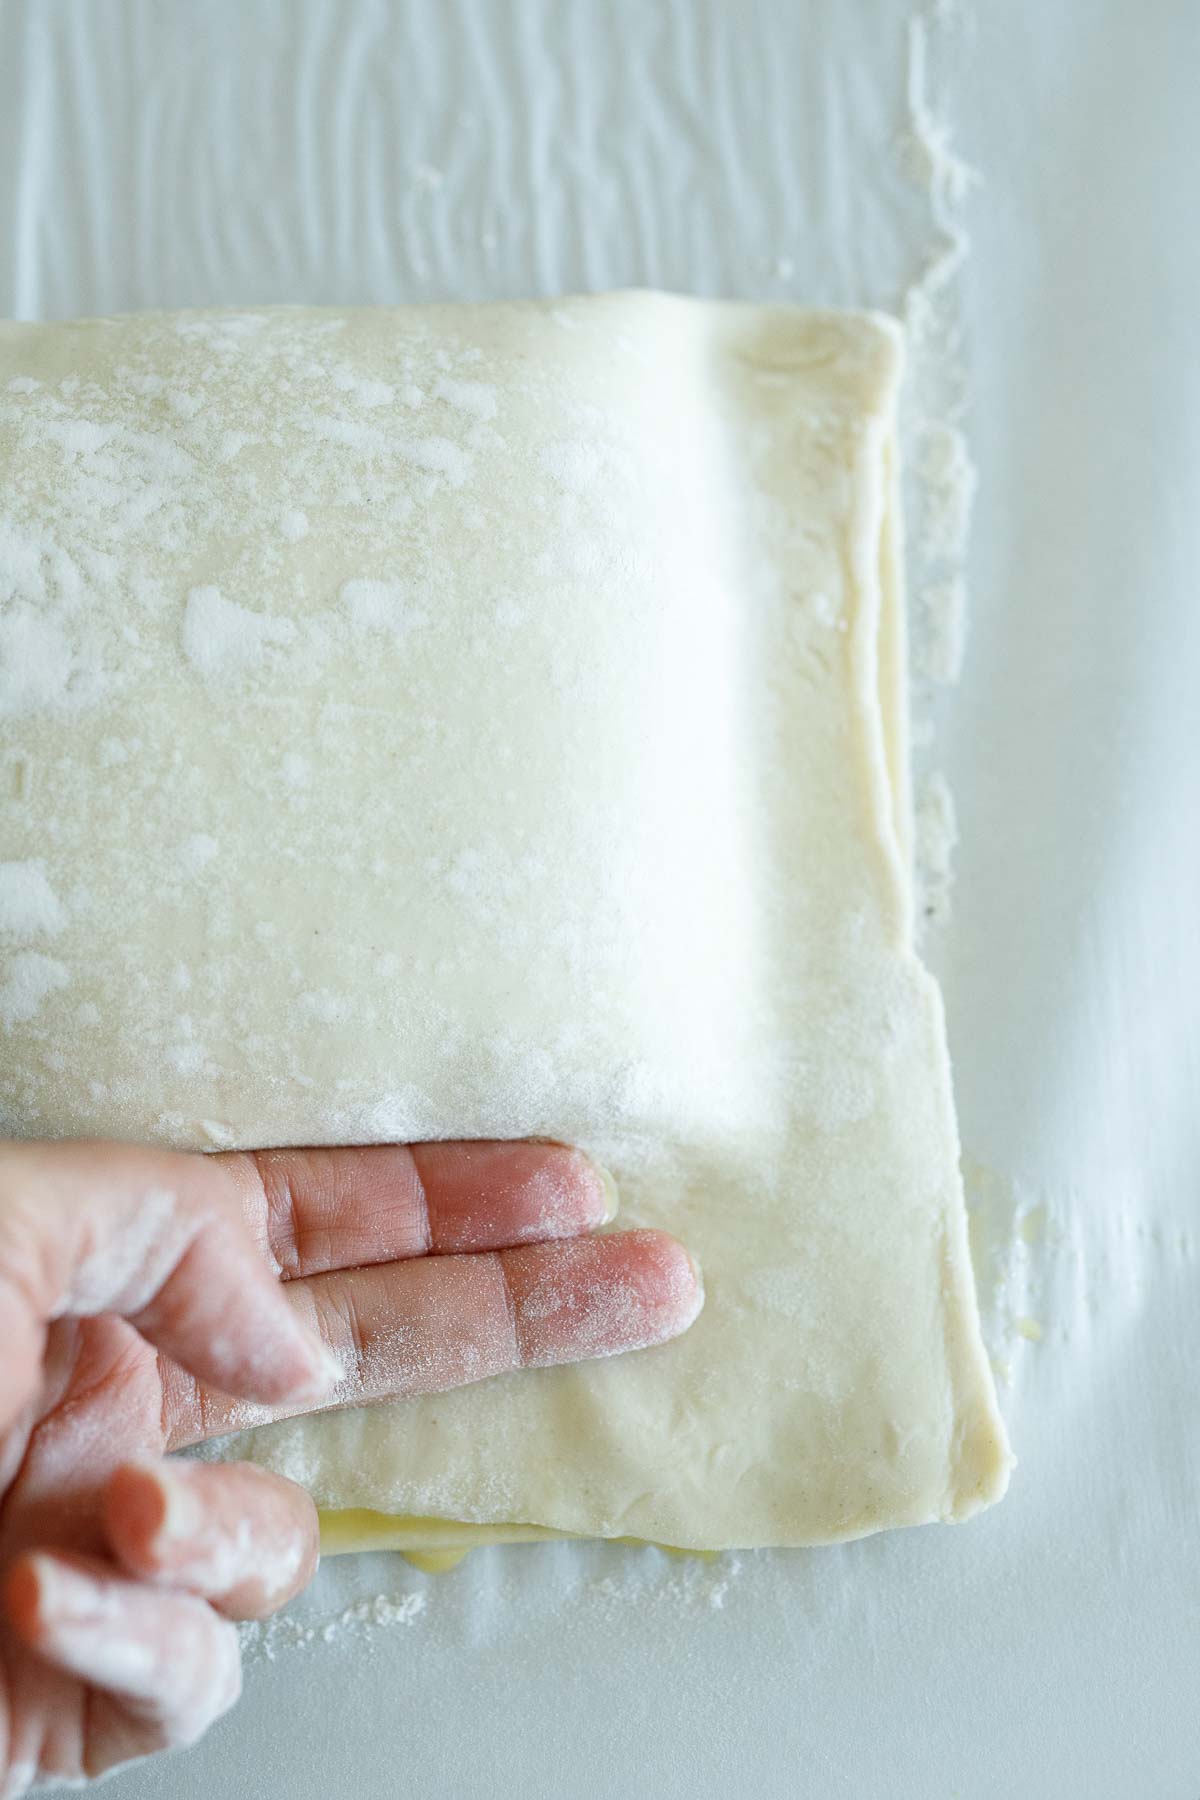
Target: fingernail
(90, 1628)
(698, 1272)
(64, 1592)
(325, 1371)
(328, 1371)
(183, 1514)
(612, 1194)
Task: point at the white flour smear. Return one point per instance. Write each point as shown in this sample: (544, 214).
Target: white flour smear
(939, 472)
(356, 1624)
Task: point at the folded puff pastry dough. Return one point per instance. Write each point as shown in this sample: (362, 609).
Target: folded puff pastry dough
(489, 721)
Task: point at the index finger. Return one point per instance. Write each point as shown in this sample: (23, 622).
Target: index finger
(314, 1211)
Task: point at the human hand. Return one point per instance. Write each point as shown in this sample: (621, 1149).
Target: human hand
(146, 1296)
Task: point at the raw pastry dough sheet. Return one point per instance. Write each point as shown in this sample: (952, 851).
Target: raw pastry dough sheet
(468, 722)
(750, 149)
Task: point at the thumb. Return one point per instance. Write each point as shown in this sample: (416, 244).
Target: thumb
(158, 1237)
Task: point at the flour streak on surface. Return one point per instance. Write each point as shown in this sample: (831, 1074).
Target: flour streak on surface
(939, 471)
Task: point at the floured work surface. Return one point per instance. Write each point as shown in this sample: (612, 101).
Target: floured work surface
(489, 722)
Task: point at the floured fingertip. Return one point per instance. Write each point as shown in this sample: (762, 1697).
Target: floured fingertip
(602, 1296)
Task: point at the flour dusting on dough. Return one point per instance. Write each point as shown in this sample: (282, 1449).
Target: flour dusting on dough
(25, 981)
(222, 638)
(29, 905)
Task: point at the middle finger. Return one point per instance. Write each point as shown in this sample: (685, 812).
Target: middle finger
(420, 1327)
